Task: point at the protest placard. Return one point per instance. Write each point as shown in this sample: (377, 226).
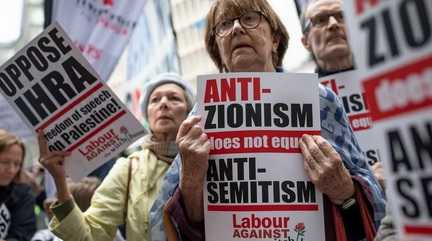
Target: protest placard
(347, 87)
(392, 44)
(54, 89)
(100, 29)
(256, 187)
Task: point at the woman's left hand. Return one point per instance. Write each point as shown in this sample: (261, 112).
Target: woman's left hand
(325, 168)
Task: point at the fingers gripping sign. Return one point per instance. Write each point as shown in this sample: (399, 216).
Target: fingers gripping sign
(53, 161)
(324, 167)
(194, 148)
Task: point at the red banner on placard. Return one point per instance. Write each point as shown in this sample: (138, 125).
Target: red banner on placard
(400, 91)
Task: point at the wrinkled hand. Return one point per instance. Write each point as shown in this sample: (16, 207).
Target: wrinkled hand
(325, 169)
(53, 161)
(194, 148)
(378, 172)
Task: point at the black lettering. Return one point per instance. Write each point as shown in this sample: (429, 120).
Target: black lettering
(301, 117)
(305, 192)
(6, 85)
(410, 207)
(265, 190)
(234, 115)
(59, 41)
(253, 114)
(226, 169)
(399, 157)
(54, 55)
(240, 167)
(26, 111)
(221, 116)
(223, 191)
(408, 27)
(423, 146)
(374, 57)
(357, 103)
(289, 195)
(211, 111)
(78, 74)
(426, 183)
(283, 120)
(239, 192)
(58, 88)
(25, 65)
(38, 99)
(390, 33)
(212, 193)
(14, 74)
(37, 59)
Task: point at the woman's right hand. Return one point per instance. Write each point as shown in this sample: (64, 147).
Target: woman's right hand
(53, 161)
(194, 148)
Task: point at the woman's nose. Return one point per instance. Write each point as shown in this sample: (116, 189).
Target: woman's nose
(163, 102)
(237, 27)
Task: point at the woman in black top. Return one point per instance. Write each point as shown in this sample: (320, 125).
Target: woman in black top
(17, 219)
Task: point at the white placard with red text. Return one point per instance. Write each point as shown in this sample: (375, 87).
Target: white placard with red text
(348, 88)
(54, 89)
(392, 44)
(256, 187)
(99, 28)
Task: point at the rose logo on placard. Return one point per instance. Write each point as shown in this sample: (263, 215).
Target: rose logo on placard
(300, 229)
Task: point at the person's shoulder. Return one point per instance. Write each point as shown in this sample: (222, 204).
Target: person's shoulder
(22, 189)
(327, 93)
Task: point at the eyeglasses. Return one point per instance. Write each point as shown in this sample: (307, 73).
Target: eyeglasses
(249, 20)
(322, 20)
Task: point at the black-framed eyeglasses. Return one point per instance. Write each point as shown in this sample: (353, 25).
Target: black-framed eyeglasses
(249, 20)
(322, 20)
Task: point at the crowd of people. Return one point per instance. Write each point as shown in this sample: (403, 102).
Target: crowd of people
(156, 193)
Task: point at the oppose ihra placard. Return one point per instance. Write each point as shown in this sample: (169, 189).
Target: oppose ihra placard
(54, 89)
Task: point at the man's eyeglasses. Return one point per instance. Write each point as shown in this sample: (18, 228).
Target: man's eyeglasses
(249, 20)
(322, 20)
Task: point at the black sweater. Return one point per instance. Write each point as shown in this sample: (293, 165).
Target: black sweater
(17, 218)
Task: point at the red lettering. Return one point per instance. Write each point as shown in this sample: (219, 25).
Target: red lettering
(360, 5)
(211, 91)
(244, 87)
(257, 88)
(228, 90)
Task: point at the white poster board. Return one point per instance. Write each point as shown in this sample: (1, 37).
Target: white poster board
(392, 44)
(348, 88)
(54, 89)
(100, 29)
(256, 187)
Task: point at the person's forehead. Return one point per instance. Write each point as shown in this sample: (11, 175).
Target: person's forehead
(12, 153)
(167, 88)
(323, 6)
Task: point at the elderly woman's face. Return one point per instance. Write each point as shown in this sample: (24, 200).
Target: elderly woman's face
(167, 109)
(246, 49)
(10, 163)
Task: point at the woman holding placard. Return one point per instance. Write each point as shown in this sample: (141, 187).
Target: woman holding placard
(248, 36)
(127, 193)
